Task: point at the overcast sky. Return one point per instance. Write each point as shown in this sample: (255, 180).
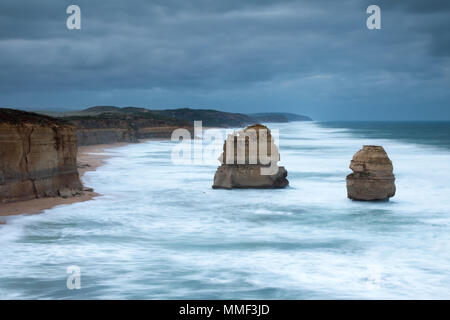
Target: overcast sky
(309, 57)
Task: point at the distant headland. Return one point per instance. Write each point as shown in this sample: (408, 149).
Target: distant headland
(110, 124)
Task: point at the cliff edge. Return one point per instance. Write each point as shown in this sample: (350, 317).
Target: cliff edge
(38, 157)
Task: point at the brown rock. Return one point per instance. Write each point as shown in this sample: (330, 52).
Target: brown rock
(372, 177)
(69, 193)
(248, 176)
(37, 156)
(129, 125)
(249, 165)
(250, 137)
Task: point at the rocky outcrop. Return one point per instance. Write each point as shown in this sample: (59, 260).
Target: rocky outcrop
(372, 177)
(38, 157)
(248, 176)
(249, 160)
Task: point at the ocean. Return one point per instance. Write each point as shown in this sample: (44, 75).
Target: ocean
(159, 231)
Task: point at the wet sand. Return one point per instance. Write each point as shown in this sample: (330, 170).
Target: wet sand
(89, 158)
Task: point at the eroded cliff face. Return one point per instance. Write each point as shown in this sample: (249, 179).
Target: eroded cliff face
(38, 157)
(114, 127)
(87, 137)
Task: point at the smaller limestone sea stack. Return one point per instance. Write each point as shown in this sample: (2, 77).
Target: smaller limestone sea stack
(249, 160)
(372, 177)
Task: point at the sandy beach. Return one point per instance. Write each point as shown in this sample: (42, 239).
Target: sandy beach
(89, 158)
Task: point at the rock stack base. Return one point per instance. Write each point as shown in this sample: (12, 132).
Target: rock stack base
(248, 176)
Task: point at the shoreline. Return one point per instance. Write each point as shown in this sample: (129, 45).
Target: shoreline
(89, 158)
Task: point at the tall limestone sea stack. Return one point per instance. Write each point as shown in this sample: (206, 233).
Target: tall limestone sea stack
(38, 157)
(249, 160)
(372, 177)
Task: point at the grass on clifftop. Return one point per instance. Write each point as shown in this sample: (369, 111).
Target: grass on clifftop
(20, 117)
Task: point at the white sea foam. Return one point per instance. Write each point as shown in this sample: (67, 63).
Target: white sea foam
(160, 231)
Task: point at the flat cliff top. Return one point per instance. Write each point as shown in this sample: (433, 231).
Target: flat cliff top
(17, 117)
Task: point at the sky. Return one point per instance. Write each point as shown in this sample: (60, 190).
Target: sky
(315, 58)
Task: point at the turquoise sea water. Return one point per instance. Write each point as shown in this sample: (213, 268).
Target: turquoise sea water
(160, 232)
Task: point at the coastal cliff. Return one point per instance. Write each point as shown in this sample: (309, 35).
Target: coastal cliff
(95, 130)
(110, 124)
(113, 127)
(38, 157)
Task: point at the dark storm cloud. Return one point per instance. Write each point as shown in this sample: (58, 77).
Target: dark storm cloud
(248, 55)
(417, 6)
(430, 17)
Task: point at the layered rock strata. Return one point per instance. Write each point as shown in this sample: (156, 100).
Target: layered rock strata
(249, 160)
(372, 177)
(113, 128)
(38, 157)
